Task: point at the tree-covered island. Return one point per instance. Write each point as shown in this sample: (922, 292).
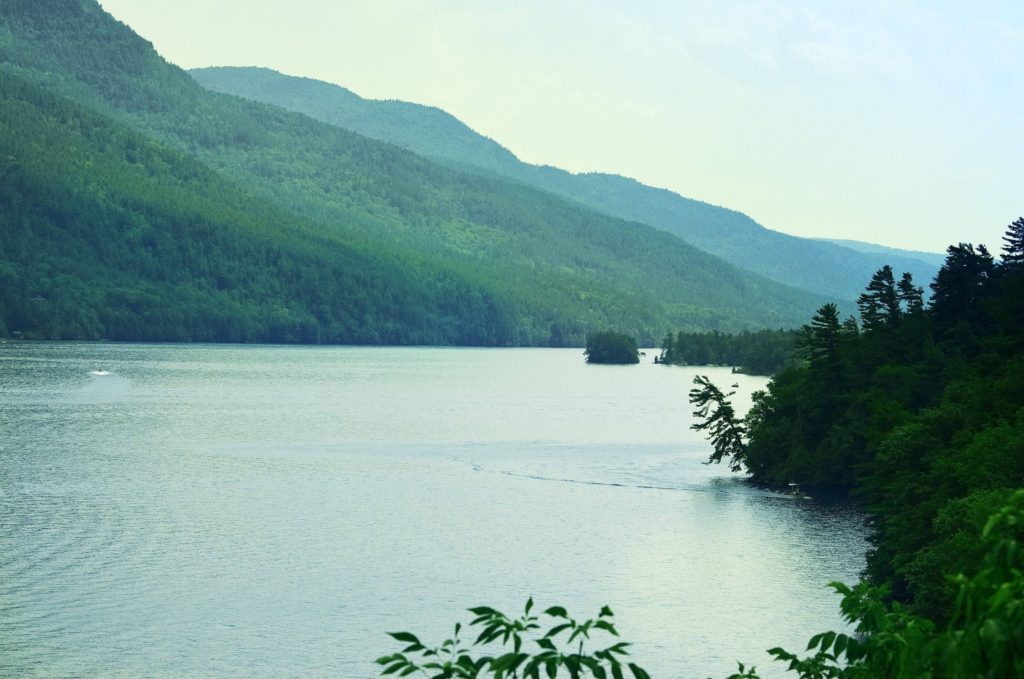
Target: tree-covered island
(609, 346)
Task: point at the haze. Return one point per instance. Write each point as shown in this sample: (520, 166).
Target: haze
(897, 123)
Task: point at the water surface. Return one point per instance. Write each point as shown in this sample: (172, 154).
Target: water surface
(262, 511)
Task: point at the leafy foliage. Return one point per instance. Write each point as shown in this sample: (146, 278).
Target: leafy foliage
(519, 650)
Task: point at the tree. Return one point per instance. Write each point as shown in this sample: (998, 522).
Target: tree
(960, 284)
(819, 339)
(718, 417)
(1013, 248)
(879, 304)
(910, 294)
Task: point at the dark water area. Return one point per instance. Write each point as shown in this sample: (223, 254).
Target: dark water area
(220, 511)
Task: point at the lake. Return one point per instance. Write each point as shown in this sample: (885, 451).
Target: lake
(267, 511)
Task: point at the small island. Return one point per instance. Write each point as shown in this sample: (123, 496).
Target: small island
(611, 347)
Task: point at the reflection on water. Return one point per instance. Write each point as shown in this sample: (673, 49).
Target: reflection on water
(272, 511)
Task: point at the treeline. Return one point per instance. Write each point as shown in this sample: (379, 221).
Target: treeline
(763, 352)
(917, 410)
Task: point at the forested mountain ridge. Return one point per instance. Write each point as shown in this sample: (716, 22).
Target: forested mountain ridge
(555, 269)
(899, 254)
(107, 233)
(820, 266)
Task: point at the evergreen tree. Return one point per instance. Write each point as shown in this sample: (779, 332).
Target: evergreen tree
(960, 285)
(716, 415)
(818, 341)
(1013, 248)
(910, 294)
(879, 304)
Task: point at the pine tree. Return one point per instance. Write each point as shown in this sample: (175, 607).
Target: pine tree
(960, 284)
(880, 304)
(818, 340)
(1013, 248)
(910, 294)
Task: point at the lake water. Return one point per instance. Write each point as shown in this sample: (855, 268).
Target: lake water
(262, 511)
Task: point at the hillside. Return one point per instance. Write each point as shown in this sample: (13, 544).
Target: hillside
(824, 267)
(555, 268)
(109, 234)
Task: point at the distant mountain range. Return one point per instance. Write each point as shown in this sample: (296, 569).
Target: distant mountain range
(936, 259)
(139, 205)
(839, 269)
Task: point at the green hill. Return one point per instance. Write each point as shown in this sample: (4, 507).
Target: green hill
(824, 267)
(107, 233)
(434, 254)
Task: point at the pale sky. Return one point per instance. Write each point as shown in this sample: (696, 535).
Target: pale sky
(899, 123)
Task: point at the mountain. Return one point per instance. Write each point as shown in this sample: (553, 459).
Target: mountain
(824, 267)
(935, 259)
(106, 233)
(255, 214)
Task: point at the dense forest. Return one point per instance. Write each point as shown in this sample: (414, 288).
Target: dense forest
(833, 269)
(762, 352)
(146, 207)
(917, 411)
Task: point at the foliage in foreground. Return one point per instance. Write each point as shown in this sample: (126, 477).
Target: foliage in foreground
(519, 650)
(983, 638)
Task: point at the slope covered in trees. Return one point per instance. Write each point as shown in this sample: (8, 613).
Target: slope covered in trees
(918, 411)
(820, 266)
(109, 234)
(546, 266)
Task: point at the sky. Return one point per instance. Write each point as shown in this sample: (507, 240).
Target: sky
(891, 122)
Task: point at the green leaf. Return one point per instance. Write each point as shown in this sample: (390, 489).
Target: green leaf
(394, 668)
(605, 612)
(557, 629)
(404, 637)
(815, 640)
(529, 605)
(483, 610)
(638, 671)
(557, 612)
